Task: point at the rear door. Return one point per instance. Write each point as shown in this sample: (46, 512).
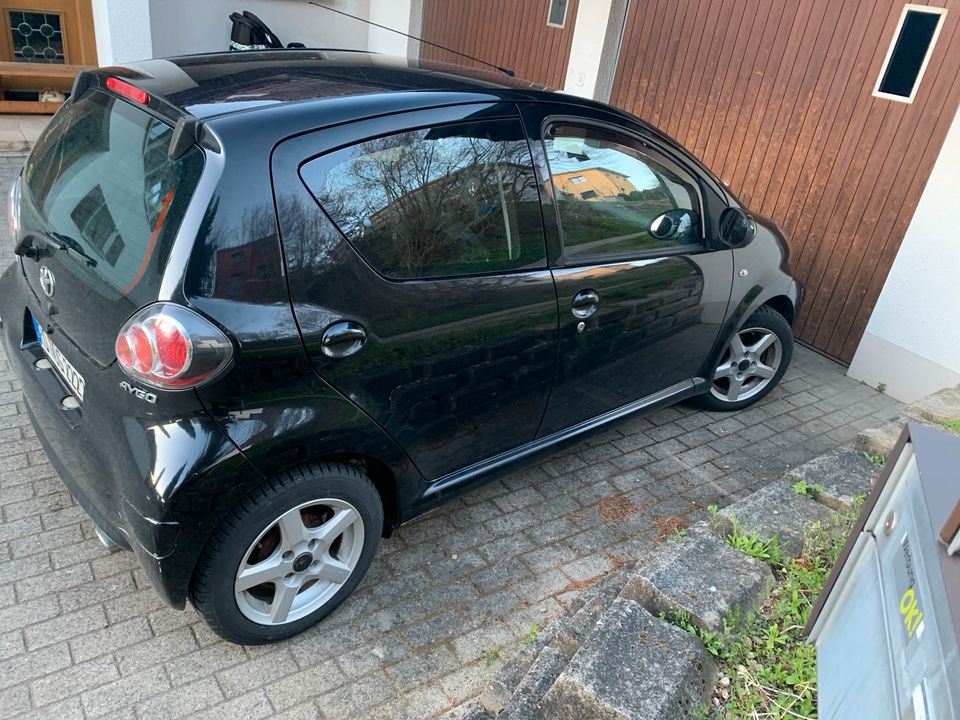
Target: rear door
(642, 292)
(418, 273)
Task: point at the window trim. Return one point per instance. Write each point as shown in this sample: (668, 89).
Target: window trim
(363, 137)
(563, 23)
(659, 155)
(909, 7)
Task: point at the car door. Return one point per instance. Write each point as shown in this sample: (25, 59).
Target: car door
(417, 269)
(642, 290)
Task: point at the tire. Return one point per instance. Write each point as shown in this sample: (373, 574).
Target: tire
(752, 362)
(289, 554)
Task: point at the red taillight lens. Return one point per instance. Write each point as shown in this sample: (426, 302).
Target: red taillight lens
(127, 90)
(122, 349)
(142, 349)
(171, 347)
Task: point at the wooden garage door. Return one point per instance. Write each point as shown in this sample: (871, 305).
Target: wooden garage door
(508, 33)
(775, 96)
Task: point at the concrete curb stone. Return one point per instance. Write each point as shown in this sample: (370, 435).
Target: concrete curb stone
(632, 666)
(774, 511)
(702, 576)
(843, 474)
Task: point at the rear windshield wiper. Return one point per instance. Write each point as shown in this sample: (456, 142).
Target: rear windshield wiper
(53, 240)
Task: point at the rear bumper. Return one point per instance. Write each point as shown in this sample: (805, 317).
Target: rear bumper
(153, 484)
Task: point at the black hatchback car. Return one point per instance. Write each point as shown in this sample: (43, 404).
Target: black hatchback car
(270, 306)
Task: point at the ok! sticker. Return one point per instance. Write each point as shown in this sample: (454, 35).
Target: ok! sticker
(911, 612)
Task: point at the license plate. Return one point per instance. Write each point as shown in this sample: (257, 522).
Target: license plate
(68, 372)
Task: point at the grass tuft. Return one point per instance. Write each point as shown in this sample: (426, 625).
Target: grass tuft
(766, 668)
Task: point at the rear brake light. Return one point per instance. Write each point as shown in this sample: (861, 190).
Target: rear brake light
(13, 210)
(171, 347)
(127, 90)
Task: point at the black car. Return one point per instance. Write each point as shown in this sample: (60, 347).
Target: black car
(270, 306)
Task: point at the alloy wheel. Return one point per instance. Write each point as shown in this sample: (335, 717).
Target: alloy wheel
(748, 364)
(299, 561)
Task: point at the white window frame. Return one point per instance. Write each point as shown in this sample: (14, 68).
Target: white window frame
(563, 23)
(910, 7)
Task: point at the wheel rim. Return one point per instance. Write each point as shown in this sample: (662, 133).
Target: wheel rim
(748, 365)
(299, 561)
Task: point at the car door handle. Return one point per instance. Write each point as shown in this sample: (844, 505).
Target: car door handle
(585, 303)
(343, 339)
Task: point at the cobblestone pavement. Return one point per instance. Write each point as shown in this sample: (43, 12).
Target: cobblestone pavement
(82, 634)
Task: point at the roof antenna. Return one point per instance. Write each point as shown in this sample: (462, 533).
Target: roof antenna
(508, 71)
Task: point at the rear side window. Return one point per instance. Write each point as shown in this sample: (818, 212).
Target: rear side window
(100, 176)
(616, 198)
(436, 202)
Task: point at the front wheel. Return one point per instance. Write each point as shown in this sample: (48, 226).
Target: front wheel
(752, 363)
(289, 554)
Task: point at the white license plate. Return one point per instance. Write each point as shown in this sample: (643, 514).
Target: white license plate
(67, 371)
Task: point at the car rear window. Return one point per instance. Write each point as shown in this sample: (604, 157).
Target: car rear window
(100, 177)
(457, 199)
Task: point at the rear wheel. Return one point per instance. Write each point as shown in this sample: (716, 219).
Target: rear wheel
(289, 554)
(752, 363)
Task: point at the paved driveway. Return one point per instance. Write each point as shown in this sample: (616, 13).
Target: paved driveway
(83, 635)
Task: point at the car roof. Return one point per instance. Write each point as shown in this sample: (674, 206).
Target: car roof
(215, 84)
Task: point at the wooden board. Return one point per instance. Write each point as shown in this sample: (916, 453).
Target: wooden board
(775, 97)
(504, 32)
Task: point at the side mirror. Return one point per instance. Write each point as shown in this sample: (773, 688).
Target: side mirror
(671, 224)
(736, 228)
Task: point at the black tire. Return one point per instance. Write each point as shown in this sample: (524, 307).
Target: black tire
(212, 589)
(765, 318)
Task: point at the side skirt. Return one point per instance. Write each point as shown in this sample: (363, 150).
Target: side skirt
(457, 483)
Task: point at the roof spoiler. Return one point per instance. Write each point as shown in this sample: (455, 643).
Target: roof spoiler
(187, 131)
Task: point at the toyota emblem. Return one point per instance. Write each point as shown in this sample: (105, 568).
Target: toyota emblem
(47, 281)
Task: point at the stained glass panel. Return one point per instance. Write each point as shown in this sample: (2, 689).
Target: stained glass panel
(37, 36)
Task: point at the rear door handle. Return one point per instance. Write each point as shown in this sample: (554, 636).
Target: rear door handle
(343, 339)
(585, 303)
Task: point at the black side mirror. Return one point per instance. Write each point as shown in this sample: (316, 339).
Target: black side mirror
(671, 224)
(736, 228)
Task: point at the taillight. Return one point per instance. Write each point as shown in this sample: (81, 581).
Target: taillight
(13, 210)
(171, 347)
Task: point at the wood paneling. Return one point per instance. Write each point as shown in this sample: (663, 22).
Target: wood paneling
(775, 97)
(504, 32)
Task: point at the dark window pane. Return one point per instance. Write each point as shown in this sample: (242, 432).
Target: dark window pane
(451, 200)
(610, 194)
(101, 176)
(911, 47)
(558, 12)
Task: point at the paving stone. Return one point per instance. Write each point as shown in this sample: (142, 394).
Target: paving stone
(155, 650)
(699, 575)
(126, 691)
(185, 701)
(843, 474)
(63, 627)
(14, 701)
(774, 511)
(265, 669)
(297, 687)
(632, 666)
(349, 700)
(74, 680)
(110, 638)
(23, 668)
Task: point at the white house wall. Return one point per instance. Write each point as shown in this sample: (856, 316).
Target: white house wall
(912, 341)
(191, 26)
